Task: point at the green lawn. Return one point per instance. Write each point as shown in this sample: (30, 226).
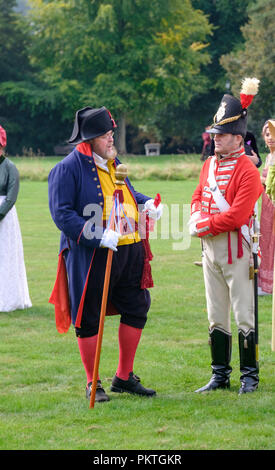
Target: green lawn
(167, 167)
(42, 387)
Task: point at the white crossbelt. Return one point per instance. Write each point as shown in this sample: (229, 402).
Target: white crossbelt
(219, 199)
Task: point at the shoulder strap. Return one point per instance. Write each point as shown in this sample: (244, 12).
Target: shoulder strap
(219, 199)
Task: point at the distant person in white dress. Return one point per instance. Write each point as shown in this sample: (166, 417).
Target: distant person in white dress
(14, 292)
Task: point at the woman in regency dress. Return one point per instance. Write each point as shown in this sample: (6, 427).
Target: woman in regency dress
(267, 229)
(14, 292)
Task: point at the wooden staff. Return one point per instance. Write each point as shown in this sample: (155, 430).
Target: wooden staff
(121, 173)
(255, 246)
(255, 256)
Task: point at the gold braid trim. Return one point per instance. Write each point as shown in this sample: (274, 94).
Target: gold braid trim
(226, 121)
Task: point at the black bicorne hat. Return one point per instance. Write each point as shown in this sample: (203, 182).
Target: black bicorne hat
(231, 117)
(90, 123)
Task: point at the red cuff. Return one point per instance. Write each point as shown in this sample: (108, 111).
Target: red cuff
(195, 207)
(203, 227)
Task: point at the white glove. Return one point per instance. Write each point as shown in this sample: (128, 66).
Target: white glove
(153, 211)
(193, 229)
(192, 223)
(110, 239)
(194, 217)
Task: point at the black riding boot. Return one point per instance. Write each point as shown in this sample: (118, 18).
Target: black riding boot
(221, 346)
(248, 365)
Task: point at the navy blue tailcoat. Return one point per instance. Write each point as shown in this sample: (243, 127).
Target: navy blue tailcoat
(73, 185)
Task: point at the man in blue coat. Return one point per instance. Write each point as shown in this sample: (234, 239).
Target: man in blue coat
(81, 189)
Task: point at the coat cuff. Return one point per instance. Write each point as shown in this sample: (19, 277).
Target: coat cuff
(195, 207)
(203, 227)
(89, 238)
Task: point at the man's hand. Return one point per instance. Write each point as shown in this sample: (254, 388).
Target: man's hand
(192, 223)
(193, 229)
(153, 211)
(254, 157)
(109, 239)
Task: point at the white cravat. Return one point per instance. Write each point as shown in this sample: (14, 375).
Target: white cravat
(101, 162)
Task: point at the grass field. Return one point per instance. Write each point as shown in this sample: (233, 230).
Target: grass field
(163, 167)
(42, 388)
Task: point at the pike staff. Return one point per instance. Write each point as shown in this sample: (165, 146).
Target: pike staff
(255, 249)
(121, 174)
(270, 189)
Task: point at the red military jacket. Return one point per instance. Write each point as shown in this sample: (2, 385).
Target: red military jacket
(239, 181)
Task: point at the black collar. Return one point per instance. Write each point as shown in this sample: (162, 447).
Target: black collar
(2, 158)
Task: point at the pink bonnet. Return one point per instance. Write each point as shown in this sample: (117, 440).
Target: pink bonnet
(3, 137)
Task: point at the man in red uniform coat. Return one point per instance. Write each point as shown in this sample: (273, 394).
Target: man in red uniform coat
(221, 210)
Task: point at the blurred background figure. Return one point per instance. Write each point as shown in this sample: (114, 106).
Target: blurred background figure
(14, 293)
(267, 238)
(251, 149)
(206, 144)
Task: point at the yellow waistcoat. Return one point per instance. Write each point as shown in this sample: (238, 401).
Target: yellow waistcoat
(107, 181)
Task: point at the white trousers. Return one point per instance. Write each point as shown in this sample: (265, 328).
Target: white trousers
(228, 285)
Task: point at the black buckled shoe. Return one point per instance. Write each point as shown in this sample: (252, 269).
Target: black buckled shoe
(100, 394)
(132, 385)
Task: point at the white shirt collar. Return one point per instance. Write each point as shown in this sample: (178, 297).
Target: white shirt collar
(101, 162)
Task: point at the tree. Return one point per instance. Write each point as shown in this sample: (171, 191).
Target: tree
(256, 58)
(14, 67)
(14, 60)
(29, 107)
(226, 19)
(133, 56)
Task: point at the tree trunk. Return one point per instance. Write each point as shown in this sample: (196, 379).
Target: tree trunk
(121, 136)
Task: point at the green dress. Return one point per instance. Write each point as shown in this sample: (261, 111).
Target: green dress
(9, 185)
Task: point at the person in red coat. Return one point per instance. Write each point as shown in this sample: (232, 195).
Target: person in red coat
(221, 210)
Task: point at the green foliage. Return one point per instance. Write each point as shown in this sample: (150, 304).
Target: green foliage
(134, 56)
(256, 58)
(155, 64)
(28, 106)
(227, 19)
(182, 126)
(14, 61)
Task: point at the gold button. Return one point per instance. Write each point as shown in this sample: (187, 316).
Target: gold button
(101, 203)
(93, 169)
(100, 194)
(95, 179)
(98, 186)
